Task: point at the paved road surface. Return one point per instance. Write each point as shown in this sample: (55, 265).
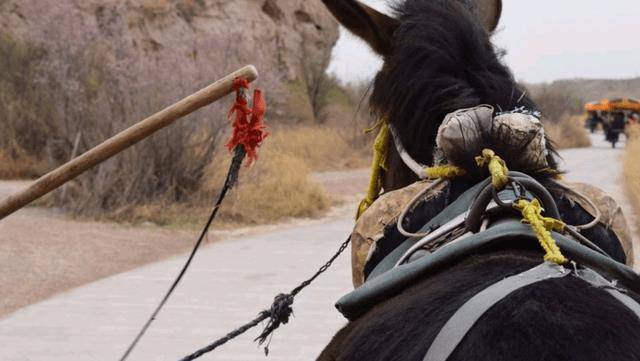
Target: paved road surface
(601, 165)
(228, 283)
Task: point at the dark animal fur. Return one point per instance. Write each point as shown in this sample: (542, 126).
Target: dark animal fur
(553, 320)
(442, 60)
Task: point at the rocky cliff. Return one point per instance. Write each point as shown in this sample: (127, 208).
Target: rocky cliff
(163, 49)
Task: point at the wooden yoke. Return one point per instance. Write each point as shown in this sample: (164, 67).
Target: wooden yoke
(124, 140)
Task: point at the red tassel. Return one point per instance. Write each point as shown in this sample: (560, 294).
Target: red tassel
(249, 129)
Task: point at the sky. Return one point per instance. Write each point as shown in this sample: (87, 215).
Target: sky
(545, 40)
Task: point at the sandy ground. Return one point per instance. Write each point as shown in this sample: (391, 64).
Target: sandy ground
(228, 284)
(43, 253)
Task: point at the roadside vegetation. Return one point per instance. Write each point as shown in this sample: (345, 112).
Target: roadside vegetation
(315, 122)
(568, 132)
(172, 177)
(562, 116)
(631, 166)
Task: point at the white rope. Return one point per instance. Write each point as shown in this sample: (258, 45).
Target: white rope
(417, 168)
(598, 214)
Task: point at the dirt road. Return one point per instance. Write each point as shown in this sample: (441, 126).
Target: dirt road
(228, 284)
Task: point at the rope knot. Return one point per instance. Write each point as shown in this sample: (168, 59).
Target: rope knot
(278, 314)
(497, 168)
(542, 227)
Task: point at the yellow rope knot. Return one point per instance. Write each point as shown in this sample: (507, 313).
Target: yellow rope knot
(542, 227)
(497, 168)
(444, 171)
(380, 154)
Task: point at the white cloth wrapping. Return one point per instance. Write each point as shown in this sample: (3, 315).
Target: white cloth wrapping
(516, 137)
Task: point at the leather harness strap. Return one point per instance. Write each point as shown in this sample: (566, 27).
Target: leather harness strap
(391, 283)
(466, 316)
(457, 327)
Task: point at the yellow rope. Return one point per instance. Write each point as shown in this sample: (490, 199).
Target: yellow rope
(531, 211)
(380, 153)
(497, 168)
(541, 226)
(444, 171)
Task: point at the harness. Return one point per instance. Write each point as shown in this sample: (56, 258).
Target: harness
(482, 219)
(454, 331)
(505, 206)
(486, 216)
(463, 229)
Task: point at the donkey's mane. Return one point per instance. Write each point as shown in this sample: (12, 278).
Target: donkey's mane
(442, 60)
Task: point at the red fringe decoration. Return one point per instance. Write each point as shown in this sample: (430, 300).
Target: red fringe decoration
(249, 129)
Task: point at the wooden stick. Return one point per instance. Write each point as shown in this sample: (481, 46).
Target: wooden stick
(123, 140)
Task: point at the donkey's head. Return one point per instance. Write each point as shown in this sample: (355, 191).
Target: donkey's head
(438, 58)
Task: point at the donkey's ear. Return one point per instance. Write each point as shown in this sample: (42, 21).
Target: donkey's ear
(369, 24)
(489, 12)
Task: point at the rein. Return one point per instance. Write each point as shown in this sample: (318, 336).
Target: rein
(278, 313)
(248, 133)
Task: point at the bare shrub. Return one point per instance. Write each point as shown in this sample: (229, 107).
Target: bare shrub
(49, 97)
(296, 107)
(42, 118)
(24, 107)
(154, 8)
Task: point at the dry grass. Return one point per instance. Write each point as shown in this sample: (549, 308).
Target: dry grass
(277, 187)
(631, 167)
(321, 147)
(569, 132)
